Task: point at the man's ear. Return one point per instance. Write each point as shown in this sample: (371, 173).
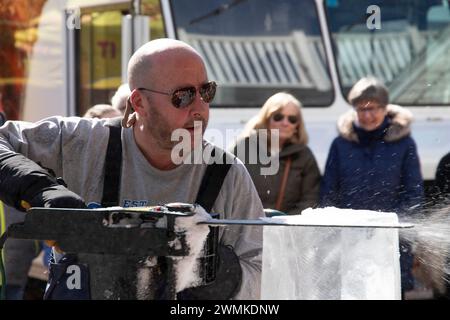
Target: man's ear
(137, 100)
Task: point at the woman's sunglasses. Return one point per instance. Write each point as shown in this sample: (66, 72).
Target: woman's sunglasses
(279, 117)
(183, 97)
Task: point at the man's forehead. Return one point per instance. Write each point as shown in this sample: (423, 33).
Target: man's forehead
(162, 58)
(178, 68)
(175, 57)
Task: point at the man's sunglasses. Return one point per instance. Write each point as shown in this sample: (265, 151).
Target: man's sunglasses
(183, 97)
(279, 117)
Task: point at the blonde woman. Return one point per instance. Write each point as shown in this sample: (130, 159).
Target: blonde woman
(295, 186)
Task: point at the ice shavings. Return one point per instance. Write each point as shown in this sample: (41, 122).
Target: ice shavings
(186, 267)
(337, 217)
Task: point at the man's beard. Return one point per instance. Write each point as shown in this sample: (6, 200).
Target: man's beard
(162, 134)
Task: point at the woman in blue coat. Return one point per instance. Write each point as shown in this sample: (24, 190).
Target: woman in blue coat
(373, 164)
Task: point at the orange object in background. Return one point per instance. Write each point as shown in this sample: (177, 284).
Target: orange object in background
(18, 22)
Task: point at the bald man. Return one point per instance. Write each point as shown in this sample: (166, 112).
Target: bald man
(170, 93)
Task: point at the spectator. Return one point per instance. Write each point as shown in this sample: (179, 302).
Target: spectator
(18, 254)
(295, 186)
(102, 111)
(119, 99)
(373, 164)
(442, 181)
(432, 268)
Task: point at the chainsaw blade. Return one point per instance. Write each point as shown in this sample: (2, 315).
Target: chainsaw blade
(266, 222)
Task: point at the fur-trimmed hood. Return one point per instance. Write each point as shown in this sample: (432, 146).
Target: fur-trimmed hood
(401, 119)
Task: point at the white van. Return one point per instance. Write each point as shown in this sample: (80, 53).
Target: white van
(315, 49)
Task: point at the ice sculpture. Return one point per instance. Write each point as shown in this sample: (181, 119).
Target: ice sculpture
(332, 263)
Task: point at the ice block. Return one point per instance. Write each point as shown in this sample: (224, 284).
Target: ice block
(332, 263)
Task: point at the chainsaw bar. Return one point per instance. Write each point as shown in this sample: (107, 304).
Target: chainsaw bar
(266, 222)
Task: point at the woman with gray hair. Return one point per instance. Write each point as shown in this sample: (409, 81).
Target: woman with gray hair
(295, 186)
(373, 164)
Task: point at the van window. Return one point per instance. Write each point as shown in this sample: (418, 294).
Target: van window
(254, 48)
(409, 50)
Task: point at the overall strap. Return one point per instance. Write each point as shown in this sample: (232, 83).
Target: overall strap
(209, 189)
(113, 164)
(212, 182)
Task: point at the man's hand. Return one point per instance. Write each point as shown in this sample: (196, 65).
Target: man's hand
(186, 268)
(228, 274)
(227, 282)
(57, 196)
(22, 180)
(54, 197)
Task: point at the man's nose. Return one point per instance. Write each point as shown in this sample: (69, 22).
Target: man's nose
(198, 103)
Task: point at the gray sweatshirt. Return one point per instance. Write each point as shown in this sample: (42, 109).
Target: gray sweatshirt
(74, 148)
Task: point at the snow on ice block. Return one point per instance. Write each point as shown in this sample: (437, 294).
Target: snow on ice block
(332, 263)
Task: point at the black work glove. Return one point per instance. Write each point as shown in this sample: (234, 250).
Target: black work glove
(23, 180)
(57, 196)
(227, 282)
